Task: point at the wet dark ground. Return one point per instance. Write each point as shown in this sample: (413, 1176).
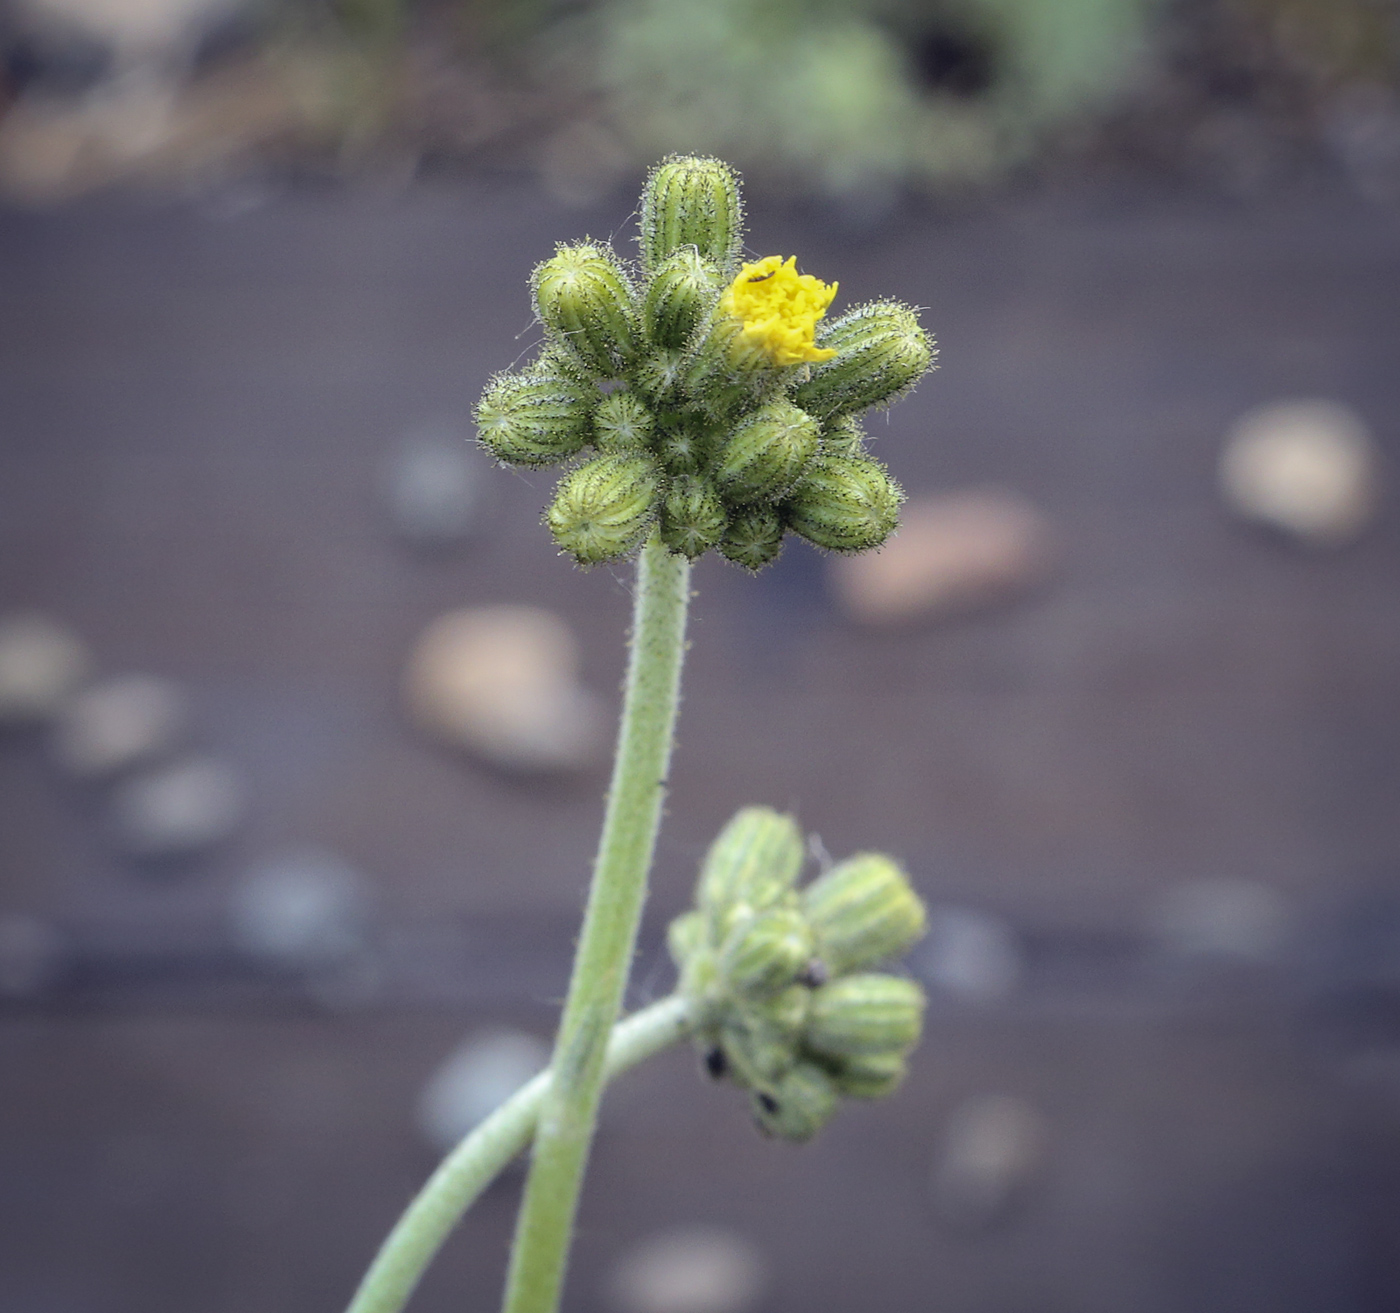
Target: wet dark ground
(198, 402)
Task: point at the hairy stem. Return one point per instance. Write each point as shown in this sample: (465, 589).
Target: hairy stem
(479, 1159)
(569, 1108)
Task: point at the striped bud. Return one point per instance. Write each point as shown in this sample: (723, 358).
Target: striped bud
(844, 503)
(863, 911)
(683, 447)
(870, 1075)
(863, 1014)
(756, 1057)
(766, 453)
(535, 418)
(584, 299)
(693, 518)
(782, 1015)
(760, 1037)
(843, 436)
(881, 352)
(660, 377)
(622, 424)
(601, 510)
(680, 293)
(691, 201)
(685, 936)
(728, 373)
(766, 951)
(797, 1106)
(754, 537)
(753, 861)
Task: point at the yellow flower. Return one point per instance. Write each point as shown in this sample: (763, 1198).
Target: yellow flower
(779, 309)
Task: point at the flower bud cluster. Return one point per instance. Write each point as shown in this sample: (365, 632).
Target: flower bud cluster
(701, 398)
(779, 979)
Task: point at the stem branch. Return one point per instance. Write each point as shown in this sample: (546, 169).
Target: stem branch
(479, 1159)
(568, 1109)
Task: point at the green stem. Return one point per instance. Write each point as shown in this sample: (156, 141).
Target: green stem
(604, 958)
(479, 1159)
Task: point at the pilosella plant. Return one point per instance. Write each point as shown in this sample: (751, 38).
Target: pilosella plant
(698, 402)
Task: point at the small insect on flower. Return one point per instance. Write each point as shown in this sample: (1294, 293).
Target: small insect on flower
(779, 309)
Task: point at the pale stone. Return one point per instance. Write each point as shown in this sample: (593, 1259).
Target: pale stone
(1306, 467)
(501, 682)
(117, 723)
(477, 1077)
(992, 1147)
(41, 663)
(952, 552)
(303, 909)
(178, 810)
(697, 1269)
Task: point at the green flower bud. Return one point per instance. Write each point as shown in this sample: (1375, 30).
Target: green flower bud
(863, 911)
(797, 1106)
(680, 294)
(685, 936)
(753, 861)
(622, 424)
(602, 509)
(863, 1014)
(755, 1058)
(760, 1037)
(683, 446)
(782, 1015)
(754, 537)
(585, 301)
(844, 503)
(703, 988)
(766, 951)
(728, 373)
(881, 352)
(691, 201)
(693, 518)
(843, 436)
(870, 1075)
(535, 418)
(766, 453)
(660, 376)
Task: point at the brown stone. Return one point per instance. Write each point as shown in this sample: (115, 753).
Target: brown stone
(953, 552)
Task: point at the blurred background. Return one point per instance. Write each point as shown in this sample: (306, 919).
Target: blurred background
(306, 725)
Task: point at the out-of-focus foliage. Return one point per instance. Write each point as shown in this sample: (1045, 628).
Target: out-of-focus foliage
(854, 97)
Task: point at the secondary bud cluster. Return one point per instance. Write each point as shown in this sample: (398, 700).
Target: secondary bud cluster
(779, 981)
(701, 398)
